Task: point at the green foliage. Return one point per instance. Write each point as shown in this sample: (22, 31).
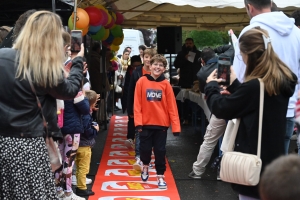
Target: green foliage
(207, 38)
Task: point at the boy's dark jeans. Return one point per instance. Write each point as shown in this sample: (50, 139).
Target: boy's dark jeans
(157, 139)
(130, 128)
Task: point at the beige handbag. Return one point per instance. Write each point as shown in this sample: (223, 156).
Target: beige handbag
(243, 168)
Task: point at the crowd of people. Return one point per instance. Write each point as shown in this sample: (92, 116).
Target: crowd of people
(71, 92)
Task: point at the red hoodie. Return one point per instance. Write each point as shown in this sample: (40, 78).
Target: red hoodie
(155, 104)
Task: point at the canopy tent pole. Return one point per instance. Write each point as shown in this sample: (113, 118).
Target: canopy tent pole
(75, 14)
(53, 6)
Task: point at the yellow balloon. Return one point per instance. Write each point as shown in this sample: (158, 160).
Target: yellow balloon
(117, 41)
(99, 6)
(114, 48)
(109, 17)
(106, 35)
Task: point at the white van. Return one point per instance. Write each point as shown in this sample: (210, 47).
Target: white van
(132, 38)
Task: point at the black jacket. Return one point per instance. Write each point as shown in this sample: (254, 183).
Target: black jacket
(136, 74)
(212, 64)
(20, 115)
(188, 70)
(243, 103)
(87, 139)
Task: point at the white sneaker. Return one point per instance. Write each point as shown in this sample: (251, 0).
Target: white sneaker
(61, 195)
(138, 164)
(73, 197)
(161, 182)
(74, 180)
(129, 143)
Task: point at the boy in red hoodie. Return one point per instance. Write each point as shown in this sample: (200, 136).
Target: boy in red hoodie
(154, 96)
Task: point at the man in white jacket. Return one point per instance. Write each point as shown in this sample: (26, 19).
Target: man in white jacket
(285, 37)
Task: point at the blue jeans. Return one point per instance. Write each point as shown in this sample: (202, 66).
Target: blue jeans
(290, 123)
(137, 144)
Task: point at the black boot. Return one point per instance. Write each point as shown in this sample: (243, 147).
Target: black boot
(87, 192)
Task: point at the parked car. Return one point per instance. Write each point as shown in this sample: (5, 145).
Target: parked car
(170, 60)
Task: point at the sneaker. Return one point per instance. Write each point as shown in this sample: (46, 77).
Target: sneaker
(61, 195)
(150, 165)
(87, 180)
(138, 164)
(161, 182)
(129, 143)
(80, 192)
(73, 197)
(218, 176)
(145, 173)
(193, 175)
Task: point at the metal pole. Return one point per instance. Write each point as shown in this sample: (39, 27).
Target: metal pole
(53, 6)
(103, 70)
(75, 15)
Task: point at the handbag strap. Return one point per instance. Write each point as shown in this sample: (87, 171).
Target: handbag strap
(261, 108)
(38, 102)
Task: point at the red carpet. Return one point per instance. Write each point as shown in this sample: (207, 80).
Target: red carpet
(116, 179)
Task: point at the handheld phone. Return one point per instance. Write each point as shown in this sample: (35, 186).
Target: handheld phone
(224, 64)
(76, 40)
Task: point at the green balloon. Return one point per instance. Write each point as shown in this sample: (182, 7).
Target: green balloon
(117, 31)
(99, 35)
(70, 23)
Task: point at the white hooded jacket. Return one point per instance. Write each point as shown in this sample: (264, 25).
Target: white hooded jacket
(285, 39)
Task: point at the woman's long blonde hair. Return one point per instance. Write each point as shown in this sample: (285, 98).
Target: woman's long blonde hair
(41, 49)
(264, 63)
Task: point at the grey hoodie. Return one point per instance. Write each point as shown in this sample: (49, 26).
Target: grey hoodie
(285, 39)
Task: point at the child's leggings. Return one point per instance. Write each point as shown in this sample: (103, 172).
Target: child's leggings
(68, 148)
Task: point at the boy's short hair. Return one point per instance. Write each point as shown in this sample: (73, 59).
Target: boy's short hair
(159, 58)
(149, 51)
(207, 54)
(91, 95)
(281, 179)
(66, 38)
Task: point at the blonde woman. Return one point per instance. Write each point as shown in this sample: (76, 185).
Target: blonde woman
(243, 102)
(25, 171)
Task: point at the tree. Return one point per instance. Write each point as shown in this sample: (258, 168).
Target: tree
(207, 38)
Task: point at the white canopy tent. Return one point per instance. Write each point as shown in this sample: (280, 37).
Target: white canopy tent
(190, 14)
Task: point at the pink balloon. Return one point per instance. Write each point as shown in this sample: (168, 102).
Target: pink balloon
(105, 17)
(96, 17)
(120, 18)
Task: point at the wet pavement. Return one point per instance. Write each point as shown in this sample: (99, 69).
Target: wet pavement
(182, 151)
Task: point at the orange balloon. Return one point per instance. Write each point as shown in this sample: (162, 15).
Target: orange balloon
(85, 31)
(106, 35)
(82, 18)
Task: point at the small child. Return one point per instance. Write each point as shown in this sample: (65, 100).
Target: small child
(154, 96)
(280, 179)
(87, 141)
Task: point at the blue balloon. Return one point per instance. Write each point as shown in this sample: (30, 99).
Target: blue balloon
(110, 38)
(94, 29)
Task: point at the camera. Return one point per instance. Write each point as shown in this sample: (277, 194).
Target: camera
(224, 64)
(94, 123)
(76, 40)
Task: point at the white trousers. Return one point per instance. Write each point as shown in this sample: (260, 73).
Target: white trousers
(214, 131)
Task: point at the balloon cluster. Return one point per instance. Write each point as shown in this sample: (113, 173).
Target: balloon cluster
(101, 24)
